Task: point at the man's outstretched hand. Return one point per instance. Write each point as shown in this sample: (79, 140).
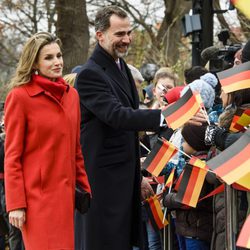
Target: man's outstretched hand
(146, 189)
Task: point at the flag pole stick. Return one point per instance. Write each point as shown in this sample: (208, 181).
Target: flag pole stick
(204, 112)
(169, 190)
(144, 147)
(184, 153)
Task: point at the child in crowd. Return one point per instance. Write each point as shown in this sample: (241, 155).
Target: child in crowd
(164, 81)
(193, 225)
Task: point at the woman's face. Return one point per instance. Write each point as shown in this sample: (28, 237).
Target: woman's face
(163, 85)
(225, 99)
(50, 61)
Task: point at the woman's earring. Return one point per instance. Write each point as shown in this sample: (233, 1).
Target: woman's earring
(36, 72)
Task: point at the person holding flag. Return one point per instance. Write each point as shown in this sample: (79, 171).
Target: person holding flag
(111, 119)
(194, 225)
(232, 124)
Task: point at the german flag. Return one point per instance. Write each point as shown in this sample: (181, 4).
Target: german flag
(182, 110)
(235, 78)
(233, 163)
(234, 126)
(159, 157)
(170, 179)
(244, 237)
(243, 6)
(194, 161)
(191, 185)
(155, 213)
(243, 183)
(178, 182)
(242, 121)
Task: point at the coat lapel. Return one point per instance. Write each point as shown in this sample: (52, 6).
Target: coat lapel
(126, 83)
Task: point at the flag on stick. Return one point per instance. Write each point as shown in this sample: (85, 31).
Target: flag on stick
(239, 123)
(243, 6)
(159, 157)
(244, 237)
(194, 161)
(243, 183)
(191, 185)
(234, 126)
(233, 163)
(170, 179)
(178, 182)
(235, 78)
(155, 213)
(182, 110)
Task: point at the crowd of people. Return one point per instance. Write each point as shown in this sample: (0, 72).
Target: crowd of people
(85, 129)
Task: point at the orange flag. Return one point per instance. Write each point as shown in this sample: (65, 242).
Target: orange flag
(243, 6)
(191, 185)
(182, 110)
(194, 161)
(155, 213)
(170, 179)
(159, 157)
(244, 237)
(235, 78)
(233, 163)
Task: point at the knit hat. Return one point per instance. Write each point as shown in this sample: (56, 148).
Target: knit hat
(210, 79)
(173, 94)
(195, 136)
(204, 86)
(245, 56)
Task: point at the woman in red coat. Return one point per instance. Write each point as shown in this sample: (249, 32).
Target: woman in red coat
(43, 159)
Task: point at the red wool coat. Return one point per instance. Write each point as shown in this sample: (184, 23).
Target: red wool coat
(43, 160)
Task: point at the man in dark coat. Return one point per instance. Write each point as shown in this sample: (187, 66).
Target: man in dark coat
(110, 145)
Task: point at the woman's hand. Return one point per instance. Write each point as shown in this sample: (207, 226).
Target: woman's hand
(198, 119)
(17, 218)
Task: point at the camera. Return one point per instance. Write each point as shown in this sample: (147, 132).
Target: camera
(224, 58)
(220, 58)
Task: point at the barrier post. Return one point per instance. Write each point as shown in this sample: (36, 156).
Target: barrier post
(230, 212)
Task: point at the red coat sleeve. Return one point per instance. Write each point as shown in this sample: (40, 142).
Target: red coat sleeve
(15, 123)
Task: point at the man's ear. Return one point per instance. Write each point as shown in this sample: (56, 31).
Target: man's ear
(99, 35)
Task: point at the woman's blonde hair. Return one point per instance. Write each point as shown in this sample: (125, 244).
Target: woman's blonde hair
(70, 78)
(29, 57)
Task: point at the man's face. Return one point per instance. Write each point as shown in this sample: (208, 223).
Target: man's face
(117, 38)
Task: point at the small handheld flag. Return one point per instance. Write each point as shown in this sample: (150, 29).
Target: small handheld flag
(244, 237)
(155, 213)
(170, 179)
(182, 110)
(233, 163)
(159, 157)
(243, 6)
(235, 78)
(191, 185)
(194, 161)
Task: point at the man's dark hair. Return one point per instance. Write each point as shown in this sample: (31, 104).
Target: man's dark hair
(102, 19)
(194, 73)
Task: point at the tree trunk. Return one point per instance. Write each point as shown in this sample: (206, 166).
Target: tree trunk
(72, 29)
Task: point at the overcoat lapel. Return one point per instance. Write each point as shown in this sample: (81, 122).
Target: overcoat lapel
(107, 63)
